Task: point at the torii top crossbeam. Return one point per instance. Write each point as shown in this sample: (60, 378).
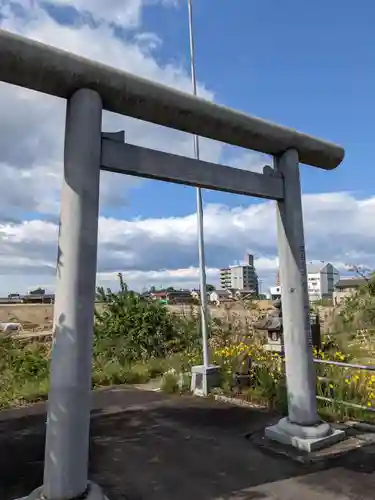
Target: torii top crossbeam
(43, 68)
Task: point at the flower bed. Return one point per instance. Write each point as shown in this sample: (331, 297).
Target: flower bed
(266, 384)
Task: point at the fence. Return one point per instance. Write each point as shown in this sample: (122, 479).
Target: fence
(345, 365)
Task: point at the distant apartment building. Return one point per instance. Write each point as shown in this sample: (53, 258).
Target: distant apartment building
(240, 277)
(321, 281)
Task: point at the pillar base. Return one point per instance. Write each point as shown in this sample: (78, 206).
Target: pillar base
(204, 379)
(94, 493)
(305, 438)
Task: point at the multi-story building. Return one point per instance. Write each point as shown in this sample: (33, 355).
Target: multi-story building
(321, 280)
(240, 277)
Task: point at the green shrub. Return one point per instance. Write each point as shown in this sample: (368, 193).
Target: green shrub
(24, 371)
(169, 383)
(131, 328)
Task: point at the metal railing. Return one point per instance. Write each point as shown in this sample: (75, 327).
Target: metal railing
(347, 366)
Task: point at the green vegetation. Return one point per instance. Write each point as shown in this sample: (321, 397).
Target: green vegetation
(136, 340)
(24, 372)
(132, 329)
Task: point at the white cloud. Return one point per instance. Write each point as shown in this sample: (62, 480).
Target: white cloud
(126, 13)
(32, 124)
(158, 251)
(248, 160)
(152, 251)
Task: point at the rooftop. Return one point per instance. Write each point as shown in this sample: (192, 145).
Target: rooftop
(351, 282)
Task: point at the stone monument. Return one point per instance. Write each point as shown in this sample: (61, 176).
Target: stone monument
(273, 324)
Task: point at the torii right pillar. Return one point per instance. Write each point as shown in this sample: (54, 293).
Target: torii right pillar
(302, 429)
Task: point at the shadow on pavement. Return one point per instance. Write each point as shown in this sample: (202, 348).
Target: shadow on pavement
(180, 448)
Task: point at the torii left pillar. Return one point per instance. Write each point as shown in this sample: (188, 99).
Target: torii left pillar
(69, 401)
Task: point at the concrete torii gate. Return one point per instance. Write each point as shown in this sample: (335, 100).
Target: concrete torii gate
(89, 88)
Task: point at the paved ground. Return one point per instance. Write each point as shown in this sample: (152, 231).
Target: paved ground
(145, 445)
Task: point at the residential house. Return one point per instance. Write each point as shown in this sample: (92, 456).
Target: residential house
(218, 296)
(345, 287)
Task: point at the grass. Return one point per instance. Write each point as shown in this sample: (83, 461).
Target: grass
(24, 370)
(170, 383)
(25, 373)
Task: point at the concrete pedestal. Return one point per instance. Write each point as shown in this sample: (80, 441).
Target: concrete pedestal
(204, 379)
(94, 493)
(305, 438)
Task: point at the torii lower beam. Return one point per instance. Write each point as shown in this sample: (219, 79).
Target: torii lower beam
(142, 162)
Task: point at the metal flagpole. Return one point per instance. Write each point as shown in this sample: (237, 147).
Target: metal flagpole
(202, 263)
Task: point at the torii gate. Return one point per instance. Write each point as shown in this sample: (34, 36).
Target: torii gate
(90, 87)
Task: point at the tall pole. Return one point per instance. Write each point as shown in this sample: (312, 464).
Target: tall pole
(202, 263)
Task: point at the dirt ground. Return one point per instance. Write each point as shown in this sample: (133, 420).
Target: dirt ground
(147, 446)
(36, 317)
(39, 317)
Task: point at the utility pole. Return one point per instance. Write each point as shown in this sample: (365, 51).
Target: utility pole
(202, 261)
(207, 376)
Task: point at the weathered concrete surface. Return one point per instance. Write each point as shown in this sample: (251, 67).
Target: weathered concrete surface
(43, 68)
(147, 446)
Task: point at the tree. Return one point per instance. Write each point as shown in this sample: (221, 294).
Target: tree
(358, 309)
(367, 274)
(210, 288)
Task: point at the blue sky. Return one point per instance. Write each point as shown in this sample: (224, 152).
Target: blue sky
(307, 65)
